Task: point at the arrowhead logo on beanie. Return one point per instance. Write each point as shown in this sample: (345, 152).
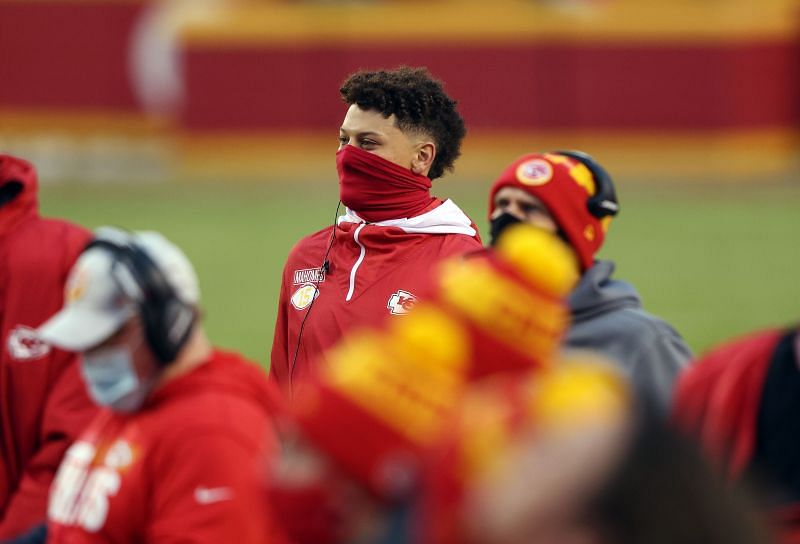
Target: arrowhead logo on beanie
(534, 172)
(564, 186)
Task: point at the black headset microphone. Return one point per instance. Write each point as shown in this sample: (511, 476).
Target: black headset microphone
(323, 270)
(604, 201)
(167, 320)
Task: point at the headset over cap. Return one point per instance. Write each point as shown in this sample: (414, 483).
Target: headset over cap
(118, 275)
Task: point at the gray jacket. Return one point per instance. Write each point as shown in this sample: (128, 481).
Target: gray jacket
(607, 317)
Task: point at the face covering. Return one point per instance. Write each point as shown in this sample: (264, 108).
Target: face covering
(377, 189)
(112, 381)
(500, 224)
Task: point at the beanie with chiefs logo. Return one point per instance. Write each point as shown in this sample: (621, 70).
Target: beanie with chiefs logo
(382, 396)
(564, 185)
(511, 300)
(497, 419)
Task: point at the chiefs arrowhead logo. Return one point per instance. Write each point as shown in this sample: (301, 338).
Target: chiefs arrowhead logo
(24, 345)
(401, 302)
(534, 172)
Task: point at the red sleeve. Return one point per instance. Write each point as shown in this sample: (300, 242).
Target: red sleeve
(279, 360)
(716, 399)
(67, 412)
(56, 408)
(458, 244)
(209, 488)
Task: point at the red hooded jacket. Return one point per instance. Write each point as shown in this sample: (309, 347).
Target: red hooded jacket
(190, 466)
(355, 274)
(43, 401)
(718, 400)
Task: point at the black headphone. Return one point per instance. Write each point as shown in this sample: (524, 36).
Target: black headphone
(604, 201)
(167, 320)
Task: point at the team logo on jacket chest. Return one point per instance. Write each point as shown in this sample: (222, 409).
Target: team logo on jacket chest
(303, 297)
(308, 275)
(24, 345)
(83, 488)
(401, 302)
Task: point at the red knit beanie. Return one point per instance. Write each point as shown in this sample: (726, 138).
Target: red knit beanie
(382, 396)
(564, 185)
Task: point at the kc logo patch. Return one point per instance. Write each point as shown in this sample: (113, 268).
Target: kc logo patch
(534, 172)
(24, 345)
(401, 302)
(303, 297)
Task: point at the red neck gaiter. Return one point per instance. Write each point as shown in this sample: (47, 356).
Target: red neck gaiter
(377, 189)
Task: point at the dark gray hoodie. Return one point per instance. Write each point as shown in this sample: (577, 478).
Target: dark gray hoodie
(608, 318)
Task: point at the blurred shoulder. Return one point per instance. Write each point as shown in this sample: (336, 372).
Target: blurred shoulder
(316, 240)
(745, 349)
(46, 246)
(460, 244)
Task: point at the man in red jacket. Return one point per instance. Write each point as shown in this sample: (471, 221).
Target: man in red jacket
(742, 401)
(401, 131)
(186, 432)
(43, 404)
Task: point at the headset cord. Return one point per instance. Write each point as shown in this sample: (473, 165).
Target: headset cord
(321, 272)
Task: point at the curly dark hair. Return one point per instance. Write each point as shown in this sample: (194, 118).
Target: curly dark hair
(419, 103)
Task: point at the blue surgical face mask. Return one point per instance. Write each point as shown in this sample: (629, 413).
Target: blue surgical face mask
(112, 380)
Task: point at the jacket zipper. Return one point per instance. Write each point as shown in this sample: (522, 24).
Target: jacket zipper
(358, 263)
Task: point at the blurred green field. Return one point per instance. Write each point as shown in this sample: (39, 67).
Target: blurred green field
(714, 260)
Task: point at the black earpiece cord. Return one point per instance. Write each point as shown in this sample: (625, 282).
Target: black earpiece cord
(323, 269)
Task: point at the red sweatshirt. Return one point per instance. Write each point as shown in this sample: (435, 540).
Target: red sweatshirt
(719, 400)
(43, 402)
(375, 270)
(189, 467)
(716, 399)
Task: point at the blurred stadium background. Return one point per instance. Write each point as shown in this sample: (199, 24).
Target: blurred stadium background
(215, 122)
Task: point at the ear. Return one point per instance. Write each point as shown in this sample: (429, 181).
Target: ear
(423, 158)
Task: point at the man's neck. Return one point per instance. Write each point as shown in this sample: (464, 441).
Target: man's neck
(196, 352)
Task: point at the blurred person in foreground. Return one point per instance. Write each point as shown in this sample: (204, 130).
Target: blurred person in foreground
(742, 401)
(570, 194)
(586, 466)
(366, 421)
(43, 403)
(401, 131)
(177, 451)
(555, 455)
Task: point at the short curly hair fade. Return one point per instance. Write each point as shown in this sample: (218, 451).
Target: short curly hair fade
(418, 102)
